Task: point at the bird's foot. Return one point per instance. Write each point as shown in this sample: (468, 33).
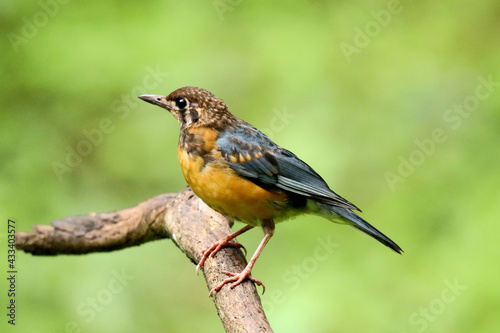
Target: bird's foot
(236, 279)
(215, 247)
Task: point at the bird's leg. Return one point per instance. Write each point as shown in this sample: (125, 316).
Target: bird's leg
(215, 247)
(236, 279)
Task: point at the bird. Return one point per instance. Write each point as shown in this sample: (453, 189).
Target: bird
(241, 173)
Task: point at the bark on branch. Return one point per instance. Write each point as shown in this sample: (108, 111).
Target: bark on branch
(183, 218)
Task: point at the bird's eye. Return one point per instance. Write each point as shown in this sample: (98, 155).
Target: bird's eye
(181, 103)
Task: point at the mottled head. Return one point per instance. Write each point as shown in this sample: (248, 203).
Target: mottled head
(193, 107)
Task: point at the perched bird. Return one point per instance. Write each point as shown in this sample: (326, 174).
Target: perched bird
(239, 172)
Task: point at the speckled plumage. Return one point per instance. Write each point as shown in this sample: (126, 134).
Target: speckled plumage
(237, 170)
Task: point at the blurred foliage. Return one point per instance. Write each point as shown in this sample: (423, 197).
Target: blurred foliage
(354, 119)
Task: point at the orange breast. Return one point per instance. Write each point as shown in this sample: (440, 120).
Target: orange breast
(229, 194)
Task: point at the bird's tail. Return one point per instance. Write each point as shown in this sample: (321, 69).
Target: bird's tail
(344, 215)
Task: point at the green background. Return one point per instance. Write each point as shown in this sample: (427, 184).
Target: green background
(363, 90)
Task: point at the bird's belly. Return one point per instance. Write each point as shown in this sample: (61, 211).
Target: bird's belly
(229, 194)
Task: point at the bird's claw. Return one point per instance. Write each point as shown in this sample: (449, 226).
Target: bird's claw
(215, 247)
(239, 246)
(236, 279)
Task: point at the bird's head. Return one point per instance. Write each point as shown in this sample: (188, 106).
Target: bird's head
(192, 107)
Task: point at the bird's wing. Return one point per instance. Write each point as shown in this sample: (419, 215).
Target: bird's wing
(253, 155)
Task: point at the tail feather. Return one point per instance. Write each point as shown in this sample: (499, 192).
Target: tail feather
(357, 222)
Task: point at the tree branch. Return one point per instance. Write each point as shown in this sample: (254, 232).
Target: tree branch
(182, 217)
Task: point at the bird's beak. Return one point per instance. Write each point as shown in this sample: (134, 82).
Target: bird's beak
(161, 101)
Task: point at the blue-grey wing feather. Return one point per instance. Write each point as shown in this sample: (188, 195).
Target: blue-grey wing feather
(271, 165)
